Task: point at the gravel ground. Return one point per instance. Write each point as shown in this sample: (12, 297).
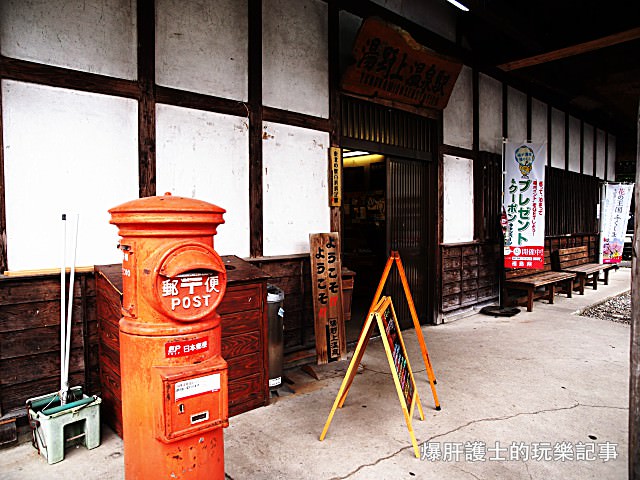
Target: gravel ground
(615, 309)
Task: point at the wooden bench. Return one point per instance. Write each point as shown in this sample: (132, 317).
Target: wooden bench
(576, 260)
(532, 281)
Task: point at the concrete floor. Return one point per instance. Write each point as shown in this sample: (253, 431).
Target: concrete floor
(550, 382)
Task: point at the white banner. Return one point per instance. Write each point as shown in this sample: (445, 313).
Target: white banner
(523, 203)
(614, 215)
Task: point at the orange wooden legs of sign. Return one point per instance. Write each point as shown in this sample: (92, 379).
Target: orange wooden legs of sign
(395, 257)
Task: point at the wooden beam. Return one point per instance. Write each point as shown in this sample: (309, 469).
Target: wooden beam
(475, 94)
(581, 146)
(3, 215)
(578, 49)
(199, 101)
(255, 128)
(549, 136)
(634, 383)
(277, 115)
(566, 141)
(147, 102)
(529, 117)
(25, 71)
(333, 45)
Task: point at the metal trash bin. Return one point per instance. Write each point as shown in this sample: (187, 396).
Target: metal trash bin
(275, 313)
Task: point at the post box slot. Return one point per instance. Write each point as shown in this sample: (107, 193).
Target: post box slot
(199, 417)
(191, 258)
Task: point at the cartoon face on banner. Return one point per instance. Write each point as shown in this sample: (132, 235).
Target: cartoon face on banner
(525, 158)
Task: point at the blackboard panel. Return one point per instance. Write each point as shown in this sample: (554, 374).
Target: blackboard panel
(397, 352)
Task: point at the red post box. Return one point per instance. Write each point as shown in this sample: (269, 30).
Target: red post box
(174, 379)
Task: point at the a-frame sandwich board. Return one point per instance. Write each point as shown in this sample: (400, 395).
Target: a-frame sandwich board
(384, 316)
(395, 257)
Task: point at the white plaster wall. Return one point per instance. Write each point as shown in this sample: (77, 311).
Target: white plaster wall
(201, 46)
(97, 36)
(85, 161)
(295, 187)
(557, 138)
(538, 121)
(574, 144)
(490, 114)
(611, 171)
(600, 153)
(435, 15)
(458, 115)
(458, 199)
(517, 115)
(587, 165)
(205, 155)
(295, 56)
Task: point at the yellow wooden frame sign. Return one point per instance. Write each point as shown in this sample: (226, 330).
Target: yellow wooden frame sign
(385, 318)
(395, 257)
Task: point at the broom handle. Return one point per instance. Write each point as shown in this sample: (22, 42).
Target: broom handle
(63, 333)
(67, 346)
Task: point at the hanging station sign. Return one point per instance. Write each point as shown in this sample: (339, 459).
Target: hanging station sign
(391, 65)
(524, 205)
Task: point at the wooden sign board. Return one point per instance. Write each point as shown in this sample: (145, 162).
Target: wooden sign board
(397, 352)
(395, 258)
(335, 176)
(384, 316)
(391, 65)
(326, 278)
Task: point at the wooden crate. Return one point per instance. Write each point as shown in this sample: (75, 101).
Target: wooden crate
(243, 313)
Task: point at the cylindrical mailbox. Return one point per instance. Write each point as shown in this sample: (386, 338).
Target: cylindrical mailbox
(174, 379)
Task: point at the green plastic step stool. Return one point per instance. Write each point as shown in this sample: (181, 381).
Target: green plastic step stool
(54, 424)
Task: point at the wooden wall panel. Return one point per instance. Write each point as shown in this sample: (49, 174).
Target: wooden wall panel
(30, 337)
(470, 271)
(292, 275)
(469, 274)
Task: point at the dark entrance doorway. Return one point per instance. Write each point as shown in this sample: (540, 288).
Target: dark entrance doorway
(390, 203)
(364, 237)
(387, 205)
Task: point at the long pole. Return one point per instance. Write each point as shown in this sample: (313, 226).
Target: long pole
(503, 273)
(634, 381)
(67, 343)
(63, 318)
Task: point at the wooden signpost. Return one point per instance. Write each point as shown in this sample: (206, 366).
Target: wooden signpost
(384, 316)
(326, 275)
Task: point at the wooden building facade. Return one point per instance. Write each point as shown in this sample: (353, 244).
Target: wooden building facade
(237, 102)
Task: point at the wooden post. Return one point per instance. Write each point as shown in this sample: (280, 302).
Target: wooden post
(634, 381)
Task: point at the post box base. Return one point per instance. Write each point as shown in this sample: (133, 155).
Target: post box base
(55, 426)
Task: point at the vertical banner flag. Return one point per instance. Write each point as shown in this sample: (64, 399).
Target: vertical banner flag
(614, 215)
(523, 203)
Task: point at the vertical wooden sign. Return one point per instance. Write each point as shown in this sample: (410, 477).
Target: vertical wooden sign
(384, 316)
(326, 279)
(335, 183)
